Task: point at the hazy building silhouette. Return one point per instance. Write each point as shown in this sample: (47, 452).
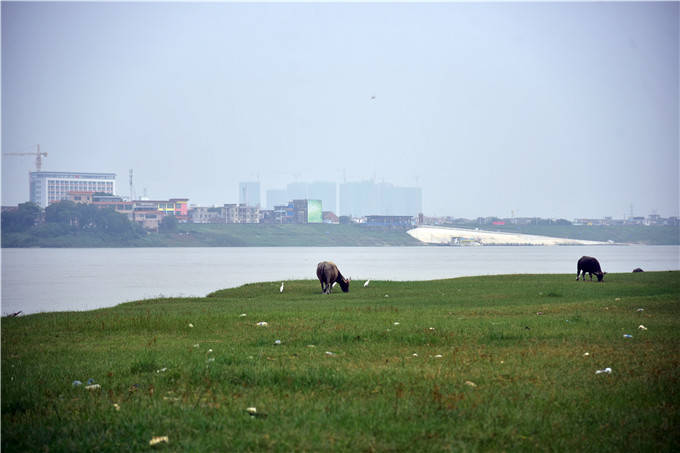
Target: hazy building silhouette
(249, 194)
(364, 198)
(277, 197)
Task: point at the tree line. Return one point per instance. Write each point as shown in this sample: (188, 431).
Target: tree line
(67, 217)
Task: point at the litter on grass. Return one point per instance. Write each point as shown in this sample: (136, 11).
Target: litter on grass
(242, 315)
(191, 326)
(330, 353)
(470, 384)
(162, 370)
(605, 371)
(76, 383)
(640, 309)
(158, 440)
(641, 327)
(586, 354)
(627, 335)
(93, 387)
(277, 342)
(263, 323)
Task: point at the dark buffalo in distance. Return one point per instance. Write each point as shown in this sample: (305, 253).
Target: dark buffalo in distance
(328, 273)
(637, 269)
(591, 266)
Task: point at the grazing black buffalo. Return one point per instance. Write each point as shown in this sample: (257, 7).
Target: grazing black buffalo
(328, 273)
(591, 266)
(637, 269)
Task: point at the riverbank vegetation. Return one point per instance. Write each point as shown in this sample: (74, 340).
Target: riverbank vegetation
(66, 224)
(497, 363)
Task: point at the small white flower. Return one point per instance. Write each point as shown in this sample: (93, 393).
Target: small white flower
(470, 384)
(438, 356)
(162, 370)
(415, 355)
(396, 323)
(431, 328)
(242, 315)
(330, 353)
(586, 354)
(210, 351)
(191, 325)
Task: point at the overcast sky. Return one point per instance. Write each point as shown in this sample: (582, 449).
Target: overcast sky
(553, 110)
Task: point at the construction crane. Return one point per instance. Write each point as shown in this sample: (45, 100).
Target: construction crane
(38, 156)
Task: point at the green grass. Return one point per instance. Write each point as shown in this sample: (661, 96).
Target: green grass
(227, 235)
(384, 388)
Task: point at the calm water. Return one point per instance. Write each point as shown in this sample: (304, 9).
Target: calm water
(38, 280)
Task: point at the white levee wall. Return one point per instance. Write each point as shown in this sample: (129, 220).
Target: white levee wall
(465, 237)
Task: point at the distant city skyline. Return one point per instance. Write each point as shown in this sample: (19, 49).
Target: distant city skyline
(557, 109)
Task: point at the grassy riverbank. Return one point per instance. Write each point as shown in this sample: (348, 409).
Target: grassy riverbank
(470, 364)
(319, 235)
(230, 235)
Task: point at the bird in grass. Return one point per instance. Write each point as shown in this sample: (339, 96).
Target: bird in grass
(281, 289)
(367, 282)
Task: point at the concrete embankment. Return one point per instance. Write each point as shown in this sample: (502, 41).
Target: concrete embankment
(463, 237)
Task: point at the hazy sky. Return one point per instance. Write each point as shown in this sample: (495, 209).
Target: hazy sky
(552, 110)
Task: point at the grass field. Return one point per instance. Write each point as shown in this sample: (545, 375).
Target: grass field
(494, 363)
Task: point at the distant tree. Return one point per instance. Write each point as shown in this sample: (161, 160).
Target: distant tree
(168, 224)
(87, 216)
(24, 218)
(112, 222)
(64, 211)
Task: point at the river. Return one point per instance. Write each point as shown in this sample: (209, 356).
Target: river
(45, 280)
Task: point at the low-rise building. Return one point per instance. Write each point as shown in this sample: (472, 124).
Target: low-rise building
(240, 213)
(389, 220)
(201, 214)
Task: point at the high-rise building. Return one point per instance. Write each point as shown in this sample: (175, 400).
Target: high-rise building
(297, 190)
(326, 192)
(46, 187)
(249, 194)
(277, 197)
(360, 199)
